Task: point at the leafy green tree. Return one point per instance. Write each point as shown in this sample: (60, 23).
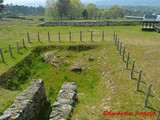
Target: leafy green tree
(76, 9)
(63, 8)
(51, 9)
(92, 11)
(58, 9)
(85, 14)
(115, 12)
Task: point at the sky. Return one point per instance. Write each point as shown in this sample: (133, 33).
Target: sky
(26, 2)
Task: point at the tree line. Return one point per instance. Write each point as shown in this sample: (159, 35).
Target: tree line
(75, 9)
(11, 9)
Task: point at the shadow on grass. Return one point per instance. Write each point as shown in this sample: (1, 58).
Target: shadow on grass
(151, 108)
(46, 112)
(141, 91)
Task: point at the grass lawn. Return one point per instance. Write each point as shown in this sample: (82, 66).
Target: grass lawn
(104, 84)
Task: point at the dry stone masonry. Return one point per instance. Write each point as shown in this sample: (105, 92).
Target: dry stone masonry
(96, 23)
(28, 105)
(65, 101)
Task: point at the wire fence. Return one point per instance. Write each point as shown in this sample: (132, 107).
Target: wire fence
(143, 83)
(48, 38)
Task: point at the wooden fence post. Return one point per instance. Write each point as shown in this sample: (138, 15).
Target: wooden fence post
(28, 36)
(102, 35)
(123, 54)
(120, 49)
(23, 42)
(115, 41)
(81, 36)
(127, 61)
(38, 37)
(118, 44)
(10, 51)
(132, 69)
(49, 39)
(17, 46)
(2, 56)
(147, 95)
(114, 35)
(59, 36)
(139, 80)
(70, 36)
(91, 36)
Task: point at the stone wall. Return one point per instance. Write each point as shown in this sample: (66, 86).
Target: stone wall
(97, 23)
(66, 99)
(29, 104)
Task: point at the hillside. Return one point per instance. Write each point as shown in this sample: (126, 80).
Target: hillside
(124, 2)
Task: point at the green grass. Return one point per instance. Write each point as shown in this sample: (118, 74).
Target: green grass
(104, 82)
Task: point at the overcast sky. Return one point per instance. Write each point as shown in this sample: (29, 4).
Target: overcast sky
(34, 2)
(25, 2)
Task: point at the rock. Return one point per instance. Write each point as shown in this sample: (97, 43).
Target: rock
(66, 110)
(90, 59)
(69, 85)
(54, 113)
(52, 59)
(76, 69)
(66, 101)
(5, 117)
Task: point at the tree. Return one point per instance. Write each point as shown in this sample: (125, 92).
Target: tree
(76, 9)
(63, 8)
(51, 8)
(115, 12)
(58, 9)
(92, 11)
(1, 6)
(15, 10)
(85, 14)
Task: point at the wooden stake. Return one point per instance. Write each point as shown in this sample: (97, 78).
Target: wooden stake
(120, 49)
(132, 69)
(28, 36)
(23, 42)
(91, 36)
(2, 56)
(38, 37)
(118, 44)
(102, 35)
(17, 44)
(70, 36)
(115, 42)
(127, 62)
(59, 36)
(123, 55)
(139, 80)
(10, 51)
(147, 95)
(49, 39)
(81, 36)
(114, 36)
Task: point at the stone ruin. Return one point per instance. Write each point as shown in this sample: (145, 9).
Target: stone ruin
(66, 99)
(33, 101)
(29, 104)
